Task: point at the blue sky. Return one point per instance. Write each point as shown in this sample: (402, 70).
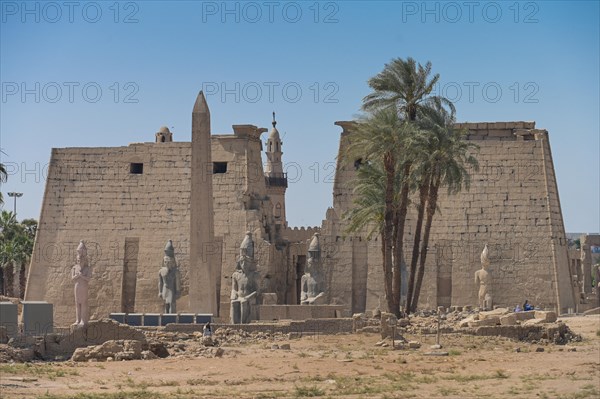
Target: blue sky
(108, 74)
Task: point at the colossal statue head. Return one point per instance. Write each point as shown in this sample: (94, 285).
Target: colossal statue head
(247, 246)
(82, 254)
(485, 260)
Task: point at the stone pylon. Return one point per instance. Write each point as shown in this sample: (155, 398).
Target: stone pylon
(203, 273)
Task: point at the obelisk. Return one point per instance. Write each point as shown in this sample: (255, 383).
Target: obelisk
(202, 273)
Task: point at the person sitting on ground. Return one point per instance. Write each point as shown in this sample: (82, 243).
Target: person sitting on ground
(518, 308)
(527, 306)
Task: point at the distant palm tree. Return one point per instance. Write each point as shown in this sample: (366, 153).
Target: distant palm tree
(16, 246)
(446, 158)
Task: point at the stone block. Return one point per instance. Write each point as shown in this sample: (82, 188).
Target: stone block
(489, 321)
(134, 319)
(269, 298)
(508, 320)
(297, 312)
(186, 318)
(9, 318)
(118, 317)
(546, 316)
(166, 318)
(203, 318)
(493, 313)
(151, 320)
(37, 318)
(95, 333)
(533, 322)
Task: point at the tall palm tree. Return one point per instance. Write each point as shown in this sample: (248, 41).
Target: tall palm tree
(447, 158)
(377, 141)
(405, 87)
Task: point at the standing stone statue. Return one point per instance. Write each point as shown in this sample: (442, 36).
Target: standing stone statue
(169, 280)
(484, 279)
(244, 286)
(81, 274)
(312, 282)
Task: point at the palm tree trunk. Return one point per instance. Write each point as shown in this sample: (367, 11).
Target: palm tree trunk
(388, 230)
(22, 280)
(431, 207)
(423, 190)
(395, 254)
(399, 239)
(8, 279)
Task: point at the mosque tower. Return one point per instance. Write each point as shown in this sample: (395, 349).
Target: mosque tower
(275, 179)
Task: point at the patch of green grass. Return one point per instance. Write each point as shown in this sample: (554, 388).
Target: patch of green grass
(447, 391)
(467, 378)
(454, 352)
(142, 394)
(41, 370)
(313, 378)
(201, 381)
(536, 377)
(500, 374)
(598, 333)
(308, 392)
(586, 391)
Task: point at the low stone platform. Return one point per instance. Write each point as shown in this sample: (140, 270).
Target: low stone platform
(299, 312)
(296, 327)
(160, 319)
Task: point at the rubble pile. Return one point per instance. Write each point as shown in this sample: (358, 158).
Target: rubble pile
(534, 326)
(113, 350)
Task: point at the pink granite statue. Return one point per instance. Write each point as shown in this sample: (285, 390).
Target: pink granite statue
(81, 274)
(484, 279)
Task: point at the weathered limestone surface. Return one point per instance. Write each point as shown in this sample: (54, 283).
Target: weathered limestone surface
(513, 206)
(99, 195)
(126, 218)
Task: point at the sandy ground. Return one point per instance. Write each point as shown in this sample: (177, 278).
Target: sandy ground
(337, 366)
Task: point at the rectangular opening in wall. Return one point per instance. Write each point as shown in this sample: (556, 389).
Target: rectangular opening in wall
(219, 167)
(136, 168)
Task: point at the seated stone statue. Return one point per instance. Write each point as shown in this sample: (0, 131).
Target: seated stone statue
(312, 283)
(244, 286)
(81, 274)
(169, 280)
(484, 279)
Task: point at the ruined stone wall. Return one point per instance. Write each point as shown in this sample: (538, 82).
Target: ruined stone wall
(512, 205)
(299, 234)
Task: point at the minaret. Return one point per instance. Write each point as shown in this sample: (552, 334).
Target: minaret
(203, 273)
(274, 176)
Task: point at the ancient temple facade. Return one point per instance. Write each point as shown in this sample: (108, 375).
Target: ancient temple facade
(126, 202)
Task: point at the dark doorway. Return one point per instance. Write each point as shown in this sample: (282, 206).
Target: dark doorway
(300, 262)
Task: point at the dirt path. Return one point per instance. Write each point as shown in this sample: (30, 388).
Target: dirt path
(343, 366)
